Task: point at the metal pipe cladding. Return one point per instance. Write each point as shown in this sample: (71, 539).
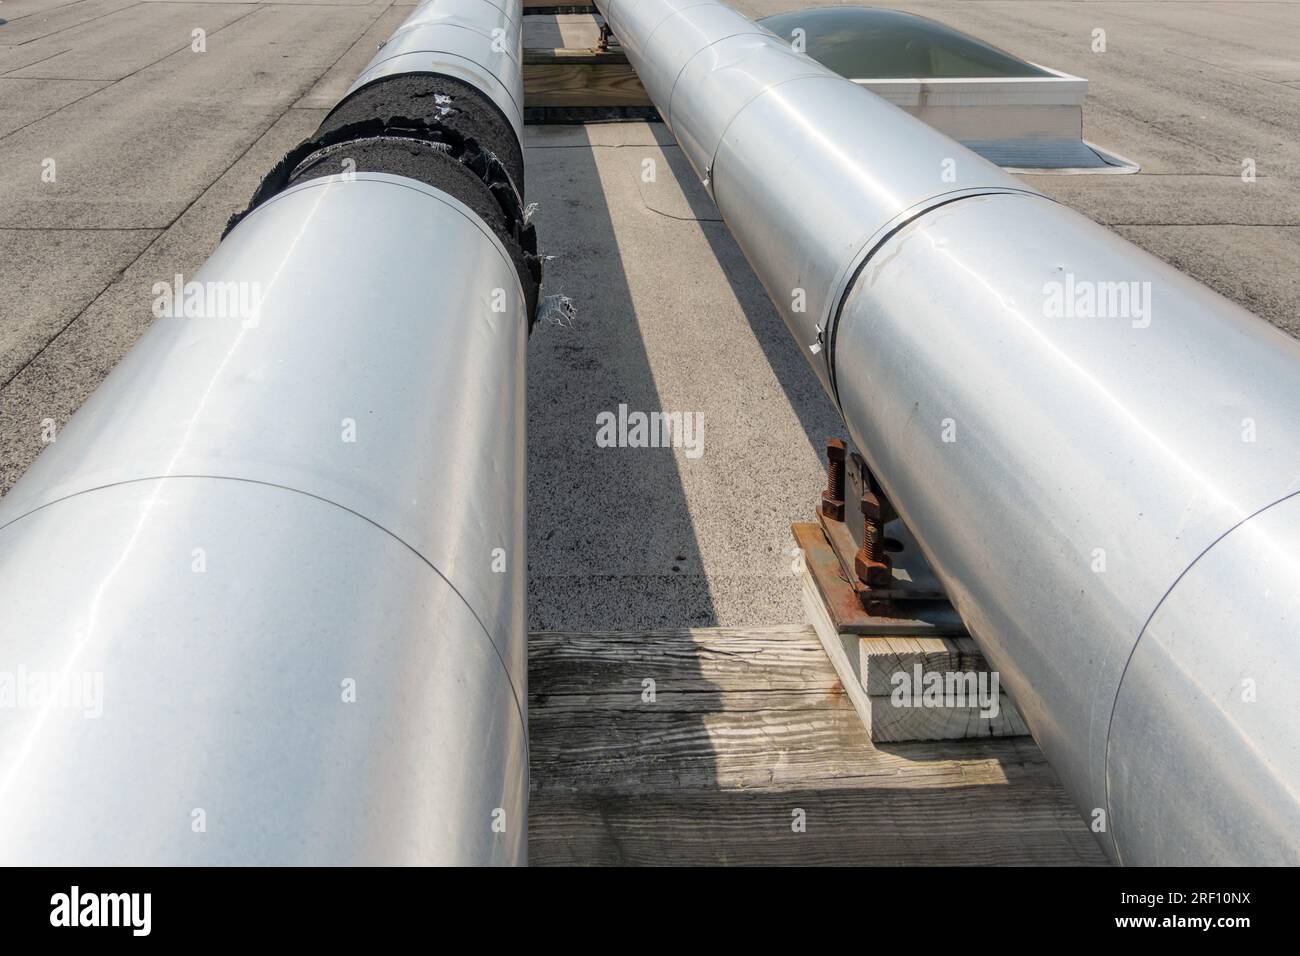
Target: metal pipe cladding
(265, 592)
(1096, 453)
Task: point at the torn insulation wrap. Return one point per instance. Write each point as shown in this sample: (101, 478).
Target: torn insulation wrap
(436, 100)
(429, 145)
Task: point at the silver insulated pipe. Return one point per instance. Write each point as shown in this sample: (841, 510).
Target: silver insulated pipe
(262, 600)
(1098, 455)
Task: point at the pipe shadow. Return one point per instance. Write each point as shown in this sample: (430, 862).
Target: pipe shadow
(611, 545)
(653, 744)
(816, 413)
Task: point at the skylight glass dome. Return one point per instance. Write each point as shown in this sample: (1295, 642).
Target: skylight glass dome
(871, 43)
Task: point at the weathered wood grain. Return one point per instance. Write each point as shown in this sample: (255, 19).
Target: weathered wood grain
(701, 659)
(596, 750)
(882, 657)
(867, 664)
(893, 724)
(743, 727)
(965, 826)
(580, 78)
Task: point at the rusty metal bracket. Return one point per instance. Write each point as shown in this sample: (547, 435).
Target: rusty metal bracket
(840, 598)
(876, 581)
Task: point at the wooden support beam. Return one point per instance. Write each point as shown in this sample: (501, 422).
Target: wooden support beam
(581, 78)
(703, 746)
(896, 708)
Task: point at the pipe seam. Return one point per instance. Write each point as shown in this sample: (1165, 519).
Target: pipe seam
(1119, 686)
(485, 186)
(691, 59)
(379, 63)
(1088, 432)
(520, 708)
(844, 286)
(404, 182)
(408, 27)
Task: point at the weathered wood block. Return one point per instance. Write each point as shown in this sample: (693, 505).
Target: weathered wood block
(915, 688)
(581, 78)
(879, 659)
(894, 724)
(564, 69)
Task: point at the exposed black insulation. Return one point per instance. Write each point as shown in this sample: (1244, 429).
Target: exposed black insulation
(436, 142)
(437, 100)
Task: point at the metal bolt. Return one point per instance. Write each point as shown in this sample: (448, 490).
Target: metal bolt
(873, 532)
(872, 562)
(833, 497)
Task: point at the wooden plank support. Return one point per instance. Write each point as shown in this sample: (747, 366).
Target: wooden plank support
(581, 78)
(737, 745)
(913, 687)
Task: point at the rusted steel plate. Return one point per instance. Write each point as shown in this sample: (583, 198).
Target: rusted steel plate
(842, 603)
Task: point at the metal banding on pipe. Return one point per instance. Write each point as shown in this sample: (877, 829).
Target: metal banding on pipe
(471, 13)
(1160, 685)
(1149, 776)
(285, 539)
(818, 130)
(676, 39)
(494, 20)
(427, 152)
(783, 146)
(1075, 435)
(737, 70)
